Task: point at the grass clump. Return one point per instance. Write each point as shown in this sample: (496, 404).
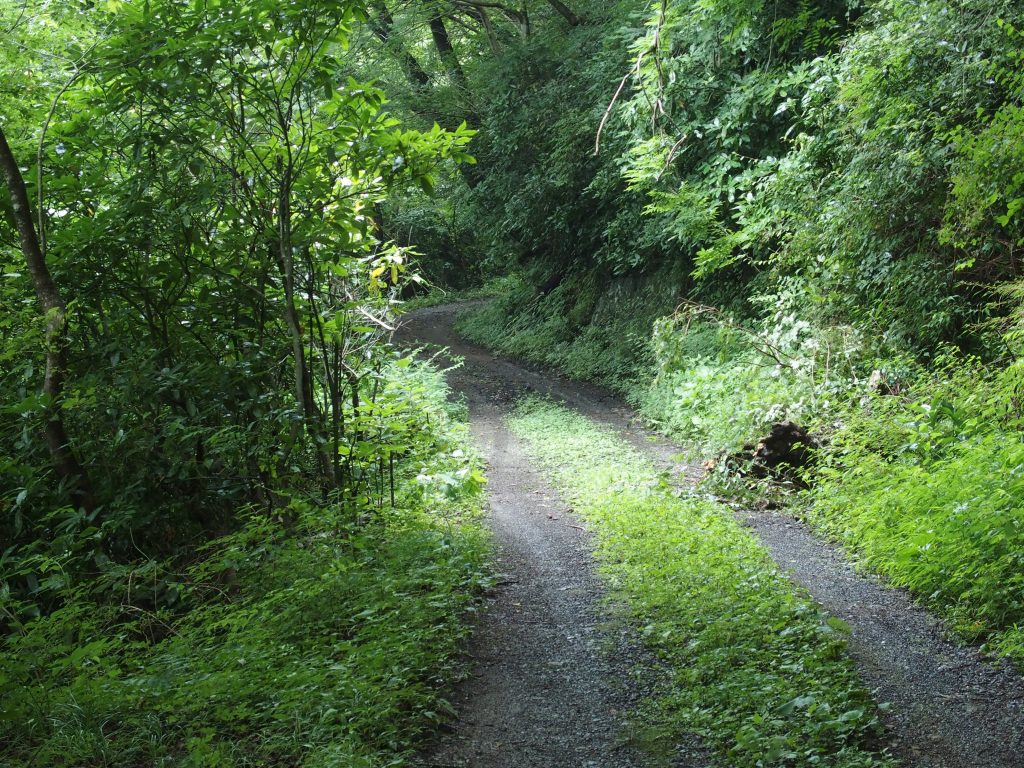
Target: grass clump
(500, 285)
(756, 670)
(310, 636)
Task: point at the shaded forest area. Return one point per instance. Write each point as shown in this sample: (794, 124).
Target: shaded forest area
(232, 507)
(765, 219)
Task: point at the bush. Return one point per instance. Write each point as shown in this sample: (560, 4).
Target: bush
(720, 385)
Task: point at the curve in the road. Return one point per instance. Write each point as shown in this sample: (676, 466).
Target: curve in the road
(950, 706)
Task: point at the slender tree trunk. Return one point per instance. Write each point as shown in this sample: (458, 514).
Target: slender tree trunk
(520, 18)
(449, 59)
(303, 379)
(480, 16)
(52, 305)
(382, 25)
(286, 262)
(565, 12)
(291, 314)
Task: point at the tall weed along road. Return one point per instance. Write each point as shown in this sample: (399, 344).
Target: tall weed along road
(546, 691)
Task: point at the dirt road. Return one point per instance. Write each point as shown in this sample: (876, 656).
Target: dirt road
(544, 694)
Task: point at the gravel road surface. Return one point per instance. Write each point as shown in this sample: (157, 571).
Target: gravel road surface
(544, 695)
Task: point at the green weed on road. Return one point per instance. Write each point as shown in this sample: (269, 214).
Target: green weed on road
(756, 671)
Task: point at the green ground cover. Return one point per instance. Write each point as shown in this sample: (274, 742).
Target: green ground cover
(926, 488)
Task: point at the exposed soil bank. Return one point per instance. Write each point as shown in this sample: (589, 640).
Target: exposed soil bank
(950, 707)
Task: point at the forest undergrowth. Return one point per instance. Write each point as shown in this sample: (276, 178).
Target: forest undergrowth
(238, 526)
(305, 637)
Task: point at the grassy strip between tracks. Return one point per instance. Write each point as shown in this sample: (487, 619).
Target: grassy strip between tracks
(755, 669)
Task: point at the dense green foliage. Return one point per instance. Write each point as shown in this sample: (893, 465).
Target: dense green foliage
(237, 526)
(309, 637)
(755, 670)
(852, 163)
(798, 211)
(926, 486)
(718, 385)
(207, 175)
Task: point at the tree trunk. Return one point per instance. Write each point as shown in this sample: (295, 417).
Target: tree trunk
(302, 375)
(479, 15)
(286, 259)
(382, 26)
(52, 305)
(520, 18)
(445, 50)
(450, 61)
(565, 12)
